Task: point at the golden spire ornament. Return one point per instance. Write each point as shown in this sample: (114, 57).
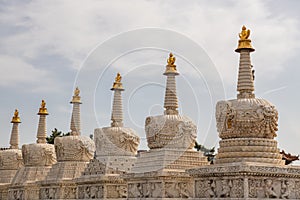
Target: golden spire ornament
(76, 98)
(244, 41)
(14, 137)
(117, 85)
(171, 67)
(16, 118)
(43, 109)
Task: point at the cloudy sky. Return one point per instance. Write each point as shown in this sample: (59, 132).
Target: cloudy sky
(49, 47)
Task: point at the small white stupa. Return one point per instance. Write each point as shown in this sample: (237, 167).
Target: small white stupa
(116, 147)
(10, 159)
(38, 160)
(73, 154)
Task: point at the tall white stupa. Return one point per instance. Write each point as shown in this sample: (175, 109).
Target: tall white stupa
(160, 172)
(248, 164)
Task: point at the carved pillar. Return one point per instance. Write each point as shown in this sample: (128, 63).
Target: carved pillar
(171, 101)
(246, 187)
(75, 119)
(117, 107)
(14, 137)
(42, 130)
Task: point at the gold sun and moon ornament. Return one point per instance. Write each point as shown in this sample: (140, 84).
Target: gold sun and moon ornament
(244, 41)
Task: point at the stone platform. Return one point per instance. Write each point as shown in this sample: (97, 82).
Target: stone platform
(246, 181)
(159, 185)
(99, 181)
(160, 174)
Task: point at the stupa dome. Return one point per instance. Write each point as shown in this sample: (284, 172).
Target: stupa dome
(250, 117)
(171, 131)
(74, 148)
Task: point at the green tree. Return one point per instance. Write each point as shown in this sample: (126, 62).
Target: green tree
(209, 153)
(55, 133)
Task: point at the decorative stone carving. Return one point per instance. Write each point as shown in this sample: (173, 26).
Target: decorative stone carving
(242, 118)
(90, 192)
(74, 148)
(247, 127)
(286, 189)
(178, 190)
(225, 188)
(11, 159)
(219, 188)
(145, 190)
(69, 192)
(38, 154)
(269, 189)
(116, 141)
(172, 131)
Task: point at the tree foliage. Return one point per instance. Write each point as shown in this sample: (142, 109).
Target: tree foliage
(208, 152)
(55, 133)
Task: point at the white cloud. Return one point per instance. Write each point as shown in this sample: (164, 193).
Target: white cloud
(15, 71)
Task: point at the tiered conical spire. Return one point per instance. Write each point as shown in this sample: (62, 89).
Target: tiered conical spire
(117, 107)
(75, 120)
(42, 128)
(171, 101)
(245, 85)
(14, 138)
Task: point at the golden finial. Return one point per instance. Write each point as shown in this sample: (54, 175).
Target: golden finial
(245, 33)
(171, 67)
(16, 118)
(76, 97)
(118, 78)
(76, 92)
(171, 60)
(244, 41)
(117, 84)
(43, 109)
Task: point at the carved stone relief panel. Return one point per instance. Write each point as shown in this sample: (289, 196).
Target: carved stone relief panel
(219, 188)
(178, 190)
(90, 192)
(145, 190)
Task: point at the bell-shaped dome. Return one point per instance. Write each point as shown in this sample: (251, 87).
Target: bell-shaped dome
(242, 118)
(74, 148)
(170, 131)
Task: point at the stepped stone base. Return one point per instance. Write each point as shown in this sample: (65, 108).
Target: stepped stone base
(168, 159)
(60, 184)
(119, 163)
(7, 175)
(260, 150)
(160, 174)
(24, 185)
(100, 181)
(246, 181)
